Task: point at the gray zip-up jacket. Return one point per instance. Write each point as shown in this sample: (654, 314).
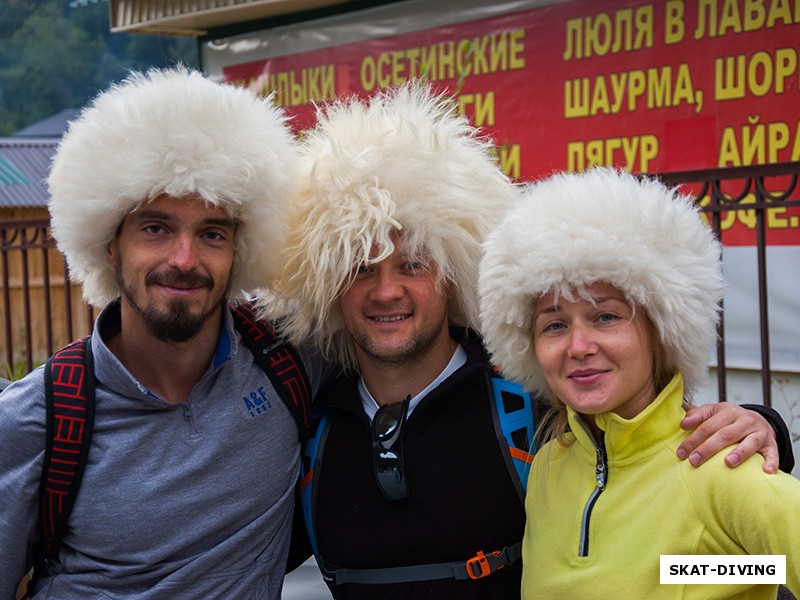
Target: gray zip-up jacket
(177, 501)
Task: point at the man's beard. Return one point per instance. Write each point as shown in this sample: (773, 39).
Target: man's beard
(177, 324)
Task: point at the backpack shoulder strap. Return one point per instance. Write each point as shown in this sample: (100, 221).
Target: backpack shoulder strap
(279, 362)
(311, 461)
(515, 423)
(70, 403)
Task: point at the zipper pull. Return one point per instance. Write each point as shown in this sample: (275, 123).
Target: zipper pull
(187, 412)
(600, 469)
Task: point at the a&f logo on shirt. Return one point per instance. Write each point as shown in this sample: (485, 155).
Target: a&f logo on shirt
(257, 402)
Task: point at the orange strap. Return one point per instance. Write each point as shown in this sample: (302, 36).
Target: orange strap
(521, 454)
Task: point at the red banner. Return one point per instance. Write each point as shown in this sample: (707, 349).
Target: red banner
(649, 87)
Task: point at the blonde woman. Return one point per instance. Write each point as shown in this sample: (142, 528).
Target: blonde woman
(601, 291)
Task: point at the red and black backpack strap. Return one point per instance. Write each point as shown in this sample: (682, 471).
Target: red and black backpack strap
(70, 403)
(279, 360)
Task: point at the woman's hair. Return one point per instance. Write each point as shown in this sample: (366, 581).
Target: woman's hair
(402, 161)
(573, 230)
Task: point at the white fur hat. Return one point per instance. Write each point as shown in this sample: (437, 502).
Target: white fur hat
(573, 230)
(401, 161)
(175, 132)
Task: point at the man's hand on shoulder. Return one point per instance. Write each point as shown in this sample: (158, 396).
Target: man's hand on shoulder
(719, 426)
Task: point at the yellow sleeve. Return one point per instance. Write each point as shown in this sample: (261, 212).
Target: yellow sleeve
(759, 513)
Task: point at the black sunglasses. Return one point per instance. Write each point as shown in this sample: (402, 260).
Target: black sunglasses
(387, 449)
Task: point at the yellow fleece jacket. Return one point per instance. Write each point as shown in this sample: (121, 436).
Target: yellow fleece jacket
(651, 504)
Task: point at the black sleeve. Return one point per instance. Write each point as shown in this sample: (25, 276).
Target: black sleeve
(781, 434)
(300, 546)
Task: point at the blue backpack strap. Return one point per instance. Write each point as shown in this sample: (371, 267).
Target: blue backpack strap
(515, 424)
(309, 464)
(70, 403)
(279, 361)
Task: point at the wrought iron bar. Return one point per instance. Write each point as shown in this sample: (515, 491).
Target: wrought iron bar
(753, 185)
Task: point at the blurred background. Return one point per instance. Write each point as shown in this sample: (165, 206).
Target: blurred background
(56, 55)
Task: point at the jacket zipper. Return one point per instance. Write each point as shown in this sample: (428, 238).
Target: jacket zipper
(601, 477)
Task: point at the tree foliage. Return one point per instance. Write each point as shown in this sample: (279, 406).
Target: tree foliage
(53, 56)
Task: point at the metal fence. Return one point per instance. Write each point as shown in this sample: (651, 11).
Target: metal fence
(758, 189)
(39, 304)
(40, 310)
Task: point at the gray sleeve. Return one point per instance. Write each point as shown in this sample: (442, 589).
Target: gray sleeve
(22, 431)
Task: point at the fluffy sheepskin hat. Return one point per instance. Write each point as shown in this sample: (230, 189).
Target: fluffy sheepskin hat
(404, 161)
(171, 131)
(573, 230)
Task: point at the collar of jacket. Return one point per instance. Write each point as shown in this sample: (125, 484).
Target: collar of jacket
(628, 440)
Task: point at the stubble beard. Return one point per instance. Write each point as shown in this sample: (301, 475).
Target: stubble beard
(410, 353)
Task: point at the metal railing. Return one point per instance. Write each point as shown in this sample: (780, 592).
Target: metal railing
(35, 319)
(758, 189)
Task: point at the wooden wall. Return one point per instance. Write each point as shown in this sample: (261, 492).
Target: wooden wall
(39, 310)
